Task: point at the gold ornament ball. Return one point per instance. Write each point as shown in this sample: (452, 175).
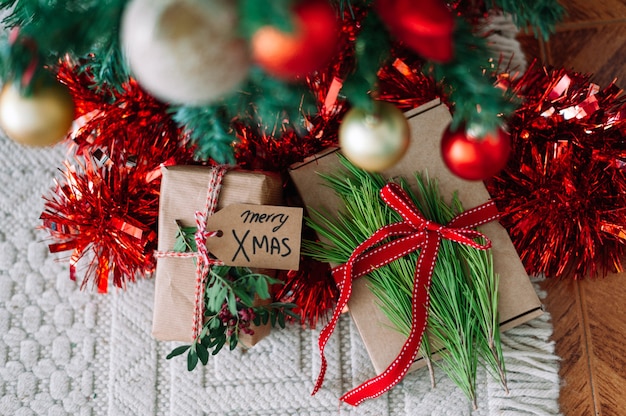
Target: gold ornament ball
(374, 142)
(41, 119)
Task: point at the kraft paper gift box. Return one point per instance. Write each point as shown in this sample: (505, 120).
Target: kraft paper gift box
(183, 192)
(518, 300)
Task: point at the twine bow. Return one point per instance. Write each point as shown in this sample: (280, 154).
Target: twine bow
(201, 235)
(414, 232)
(203, 260)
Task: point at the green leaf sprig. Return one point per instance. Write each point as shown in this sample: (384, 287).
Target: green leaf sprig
(230, 306)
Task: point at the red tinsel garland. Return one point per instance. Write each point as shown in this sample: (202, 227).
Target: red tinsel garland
(105, 206)
(400, 82)
(276, 148)
(312, 288)
(563, 193)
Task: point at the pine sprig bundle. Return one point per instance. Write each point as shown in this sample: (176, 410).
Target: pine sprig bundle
(462, 325)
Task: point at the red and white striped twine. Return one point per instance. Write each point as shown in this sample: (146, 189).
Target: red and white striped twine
(203, 260)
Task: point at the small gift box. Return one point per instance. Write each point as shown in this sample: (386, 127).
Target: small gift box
(518, 301)
(184, 194)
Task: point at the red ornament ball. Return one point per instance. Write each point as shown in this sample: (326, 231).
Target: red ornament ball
(425, 26)
(307, 48)
(475, 158)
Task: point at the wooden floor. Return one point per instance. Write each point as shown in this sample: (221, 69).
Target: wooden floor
(591, 40)
(589, 316)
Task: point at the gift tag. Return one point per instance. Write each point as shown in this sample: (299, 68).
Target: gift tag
(259, 236)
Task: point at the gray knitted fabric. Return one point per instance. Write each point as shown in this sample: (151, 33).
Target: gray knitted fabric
(69, 352)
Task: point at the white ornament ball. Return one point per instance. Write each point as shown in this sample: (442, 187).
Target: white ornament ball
(184, 51)
(374, 142)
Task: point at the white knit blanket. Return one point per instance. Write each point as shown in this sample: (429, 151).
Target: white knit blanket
(68, 352)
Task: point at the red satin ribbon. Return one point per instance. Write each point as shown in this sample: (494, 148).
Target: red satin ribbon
(413, 233)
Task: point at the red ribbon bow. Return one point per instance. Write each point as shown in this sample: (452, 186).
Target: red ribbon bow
(413, 233)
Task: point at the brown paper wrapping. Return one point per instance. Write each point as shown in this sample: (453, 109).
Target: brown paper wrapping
(183, 192)
(518, 301)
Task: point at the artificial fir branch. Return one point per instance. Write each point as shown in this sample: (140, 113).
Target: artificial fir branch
(89, 33)
(109, 70)
(263, 103)
(73, 27)
(372, 49)
(463, 318)
(209, 131)
(467, 84)
(257, 13)
(268, 101)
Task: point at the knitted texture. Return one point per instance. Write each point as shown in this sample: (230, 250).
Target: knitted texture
(501, 35)
(69, 352)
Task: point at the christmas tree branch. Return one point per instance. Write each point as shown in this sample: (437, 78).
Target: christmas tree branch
(467, 83)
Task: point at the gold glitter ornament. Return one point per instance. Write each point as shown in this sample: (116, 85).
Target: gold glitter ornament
(374, 141)
(41, 118)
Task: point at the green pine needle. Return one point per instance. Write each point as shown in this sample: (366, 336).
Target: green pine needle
(209, 131)
(255, 14)
(467, 82)
(463, 318)
(78, 28)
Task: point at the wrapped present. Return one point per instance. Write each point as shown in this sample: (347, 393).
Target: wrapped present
(184, 191)
(518, 301)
